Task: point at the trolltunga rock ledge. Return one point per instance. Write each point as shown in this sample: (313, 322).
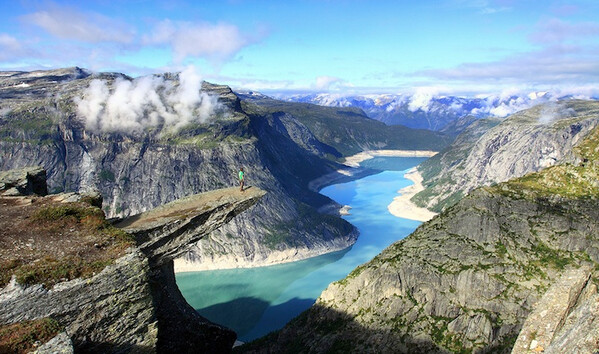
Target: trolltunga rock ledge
(134, 304)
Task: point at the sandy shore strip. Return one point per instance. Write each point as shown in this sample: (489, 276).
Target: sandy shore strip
(354, 160)
(403, 207)
(354, 171)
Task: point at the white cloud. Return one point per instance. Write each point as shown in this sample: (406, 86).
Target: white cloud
(421, 99)
(485, 7)
(556, 31)
(11, 48)
(566, 56)
(61, 36)
(553, 111)
(553, 65)
(130, 106)
(67, 23)
(325, 82)
(331, 83)
(8, 42)
(216, 42)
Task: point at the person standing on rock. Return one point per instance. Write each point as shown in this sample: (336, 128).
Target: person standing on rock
(241, 179)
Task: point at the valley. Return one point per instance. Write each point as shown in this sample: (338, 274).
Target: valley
(516, 202)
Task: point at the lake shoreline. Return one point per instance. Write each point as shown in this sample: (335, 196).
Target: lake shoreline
(352, 172)
(272, 296)
(403, 207)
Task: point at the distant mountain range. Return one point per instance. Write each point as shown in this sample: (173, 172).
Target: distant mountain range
(427, 111)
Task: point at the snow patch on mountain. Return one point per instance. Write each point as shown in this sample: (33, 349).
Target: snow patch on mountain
(427, 108)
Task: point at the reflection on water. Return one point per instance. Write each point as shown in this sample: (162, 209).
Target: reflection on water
(256, 301)
(237, 298)
(392, 163)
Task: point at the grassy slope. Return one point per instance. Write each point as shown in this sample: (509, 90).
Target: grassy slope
(568, 181)
(63, 241)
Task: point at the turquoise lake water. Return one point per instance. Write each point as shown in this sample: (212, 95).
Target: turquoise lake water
(256, 301)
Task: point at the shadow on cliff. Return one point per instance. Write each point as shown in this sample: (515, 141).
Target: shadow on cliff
(251, 317)
(105, 347)
(240, 314)
(276, 317)
(325, 330)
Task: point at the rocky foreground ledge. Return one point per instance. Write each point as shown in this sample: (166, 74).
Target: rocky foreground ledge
(132, 304)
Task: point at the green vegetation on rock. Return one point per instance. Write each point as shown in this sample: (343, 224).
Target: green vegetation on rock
(567, 180)
(23, 337)
(492, 151)
(466, 280)
(78, 225)
(349, 130)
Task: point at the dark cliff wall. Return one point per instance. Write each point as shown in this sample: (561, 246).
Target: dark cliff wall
(137, 172)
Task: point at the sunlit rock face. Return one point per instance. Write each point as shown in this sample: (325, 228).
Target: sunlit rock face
(172, 142)
(469, 279)
(134, 303)
(493, 151)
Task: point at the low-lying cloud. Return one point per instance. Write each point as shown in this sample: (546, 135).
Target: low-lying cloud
(422, 98)
(130, 106)
(553, 111)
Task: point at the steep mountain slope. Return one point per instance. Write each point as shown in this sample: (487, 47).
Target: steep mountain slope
(147, 141)
(488, 152)
(349, 130)
(466, 280)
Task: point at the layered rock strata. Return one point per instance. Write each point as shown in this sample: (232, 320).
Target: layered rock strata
(493, 151)
(134, 305)
(464, 281)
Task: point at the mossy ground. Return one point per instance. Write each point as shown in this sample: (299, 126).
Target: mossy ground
(24, 336)
(47, 242)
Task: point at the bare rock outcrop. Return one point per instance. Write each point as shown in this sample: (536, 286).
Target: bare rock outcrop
(464, 281)
(565, 318)
(134, 304)
(490, 152)
(23, 181)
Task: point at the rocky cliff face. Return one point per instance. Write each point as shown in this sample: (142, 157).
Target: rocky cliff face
(282, 146)
(488, 152)
(134, 305)
(40, 125)
(468, 279)
(565, 319)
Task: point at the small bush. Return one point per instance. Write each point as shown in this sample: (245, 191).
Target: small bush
(107, 176)
(51, 271)
(7, 268)
(53, 213)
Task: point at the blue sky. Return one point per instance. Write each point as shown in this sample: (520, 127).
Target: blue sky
(451, 46)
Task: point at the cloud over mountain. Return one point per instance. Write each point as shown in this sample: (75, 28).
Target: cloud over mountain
(430, 108)
(130, 106)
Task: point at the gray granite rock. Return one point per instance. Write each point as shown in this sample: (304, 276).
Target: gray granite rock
(134, 304)
(23, 181)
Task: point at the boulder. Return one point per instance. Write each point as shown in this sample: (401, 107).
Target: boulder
(23, 181)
